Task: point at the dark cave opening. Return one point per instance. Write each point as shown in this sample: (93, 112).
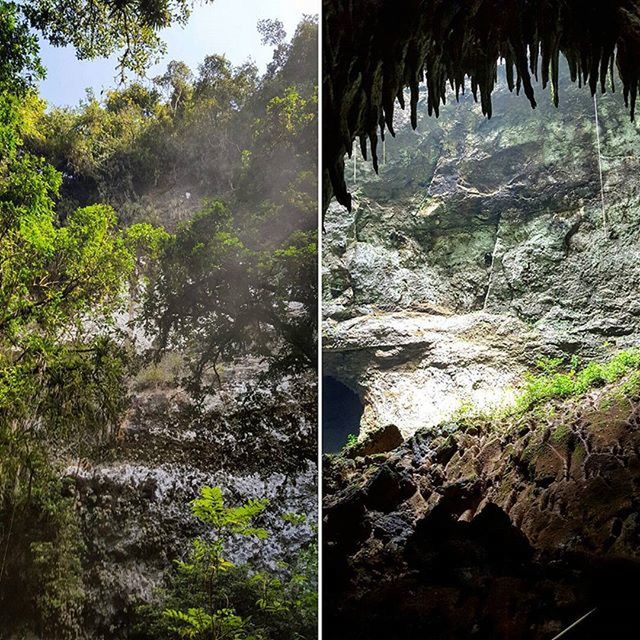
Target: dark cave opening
(341, 413)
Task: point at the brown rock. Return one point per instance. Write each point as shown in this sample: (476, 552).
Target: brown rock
(381, 440)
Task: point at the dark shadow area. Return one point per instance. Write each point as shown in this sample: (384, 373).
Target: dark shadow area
(477, 580)
(341, 413)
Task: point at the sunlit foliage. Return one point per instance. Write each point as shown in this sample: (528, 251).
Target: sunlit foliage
(63, 368)
(78, 194)
(102, 27)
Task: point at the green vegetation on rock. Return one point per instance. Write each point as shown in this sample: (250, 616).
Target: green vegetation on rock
(211, 598)
(557, 381)
(554, 380)
(63, 367)
(89, 238)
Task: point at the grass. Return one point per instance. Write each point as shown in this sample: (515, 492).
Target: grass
(559, 381)
(556, 379)
(161, 374)
(352, 441)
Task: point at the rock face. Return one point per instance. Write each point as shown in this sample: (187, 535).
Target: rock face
(480, 247)
(506, 529)
(384, 439)
(414, 370)
(134, 504)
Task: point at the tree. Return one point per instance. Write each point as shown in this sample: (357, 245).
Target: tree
(102, 27)
(20, 66)
(176, 82)
(99, 148)
(69, 180)
(134, 97)
(211, 598)
(63, 371)
(215, 299)
(217, 134)
(272, 32)
(215, 618)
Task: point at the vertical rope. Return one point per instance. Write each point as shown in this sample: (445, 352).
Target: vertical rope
(493, 259)
(604, 215)
(354, 167)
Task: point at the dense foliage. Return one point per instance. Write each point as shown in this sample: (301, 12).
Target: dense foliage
(218, 133)
(162, 197)
(217, 298)
(556, 379)
(63, 366)
(102, 27)
(19, 62)
(215, 135)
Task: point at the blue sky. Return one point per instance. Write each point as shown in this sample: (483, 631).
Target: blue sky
(225, 26)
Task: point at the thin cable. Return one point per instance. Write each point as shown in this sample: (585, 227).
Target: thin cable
(493, 259)
(571, 626)
(604, 215)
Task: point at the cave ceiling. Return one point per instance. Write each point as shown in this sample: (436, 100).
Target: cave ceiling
(373, 50)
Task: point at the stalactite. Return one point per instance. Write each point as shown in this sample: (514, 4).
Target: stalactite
(374, 49)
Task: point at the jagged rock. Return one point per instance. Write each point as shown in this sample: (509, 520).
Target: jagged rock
(387, 489)
(345, 520)
(527, 523)
(134, 503)
(480, 248)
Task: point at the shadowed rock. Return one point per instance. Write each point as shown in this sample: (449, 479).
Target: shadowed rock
(381, 440)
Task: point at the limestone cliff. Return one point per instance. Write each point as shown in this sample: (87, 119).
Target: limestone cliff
(254, 441)
(480, 247)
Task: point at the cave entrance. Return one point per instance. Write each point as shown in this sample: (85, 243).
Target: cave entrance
(341, 413)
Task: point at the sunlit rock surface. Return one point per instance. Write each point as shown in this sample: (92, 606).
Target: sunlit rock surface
(414, 370)
(480, 247)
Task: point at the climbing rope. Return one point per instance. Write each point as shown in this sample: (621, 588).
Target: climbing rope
(493, 259)
(604, 216)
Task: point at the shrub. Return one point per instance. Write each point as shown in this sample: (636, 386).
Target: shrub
(211, 598)
(352, 441)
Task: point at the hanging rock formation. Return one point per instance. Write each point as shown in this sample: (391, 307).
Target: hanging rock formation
(374, 49)
(478, 249)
